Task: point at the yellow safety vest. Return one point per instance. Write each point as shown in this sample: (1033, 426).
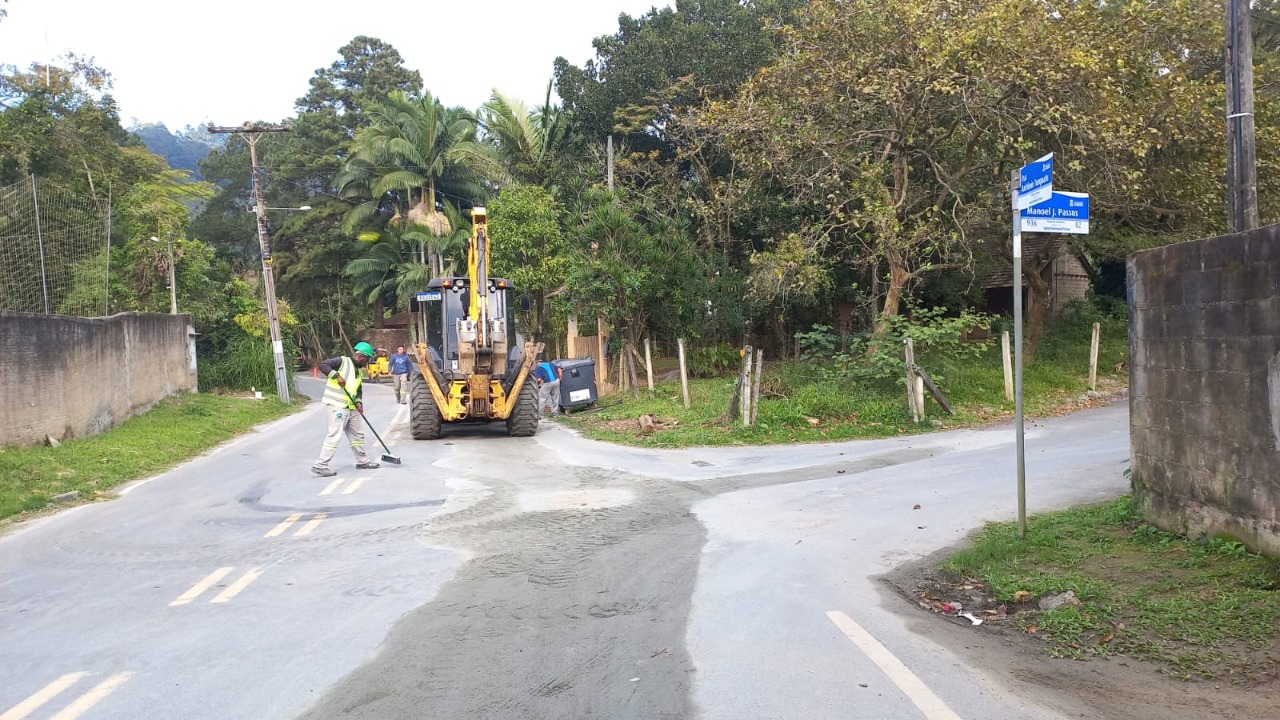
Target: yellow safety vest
(333, 392)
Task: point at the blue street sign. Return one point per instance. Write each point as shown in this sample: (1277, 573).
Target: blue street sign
(1035, 182)
(1065, 212)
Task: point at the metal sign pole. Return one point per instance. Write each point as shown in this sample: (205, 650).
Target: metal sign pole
(1017, 361)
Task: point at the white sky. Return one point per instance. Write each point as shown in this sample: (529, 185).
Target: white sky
(185, 62)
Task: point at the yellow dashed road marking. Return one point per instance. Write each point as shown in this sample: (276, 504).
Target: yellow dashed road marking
(352, 487)
(85, 702)
(201, 586)
(331, 486)
(235, 587)
(284, 525)
(42, 696)
(311, 525)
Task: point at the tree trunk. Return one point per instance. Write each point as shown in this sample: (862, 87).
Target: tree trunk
(539, 321)
(378, 311)
(1039, 297)
(898, 277)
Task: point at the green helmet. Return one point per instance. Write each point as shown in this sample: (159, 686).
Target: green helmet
(365, 349)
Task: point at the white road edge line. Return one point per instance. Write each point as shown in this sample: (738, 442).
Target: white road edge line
(199, 588)
(86, 701)
(912, 686)
(44, 695)
(234, 588)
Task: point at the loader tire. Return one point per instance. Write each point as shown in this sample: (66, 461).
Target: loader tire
(424, 416)
(523, 420)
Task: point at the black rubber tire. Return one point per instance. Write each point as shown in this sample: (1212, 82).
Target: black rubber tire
(523, 420)
(424, 417)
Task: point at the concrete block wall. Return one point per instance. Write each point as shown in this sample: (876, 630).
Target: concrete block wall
(1204, 358)
(75, 377)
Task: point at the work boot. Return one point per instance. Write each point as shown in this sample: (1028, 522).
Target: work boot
(368, 465)
(323, 470)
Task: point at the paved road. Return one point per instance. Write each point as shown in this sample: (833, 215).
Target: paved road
(546, 577)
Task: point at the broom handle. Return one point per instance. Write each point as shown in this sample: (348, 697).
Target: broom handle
(367, 424)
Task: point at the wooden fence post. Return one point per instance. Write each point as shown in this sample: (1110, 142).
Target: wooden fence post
(755, 387)
(684, 375)
(909, 355)
(1093, 357)
(744, 381)
(648, 364)
(1008, 365)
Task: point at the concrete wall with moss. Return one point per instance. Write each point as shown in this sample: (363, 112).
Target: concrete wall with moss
(75, 377)
(1204, 403)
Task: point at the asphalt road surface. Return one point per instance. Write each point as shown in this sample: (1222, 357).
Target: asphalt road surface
(544, 577)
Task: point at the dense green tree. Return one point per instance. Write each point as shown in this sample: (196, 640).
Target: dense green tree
(666, 59)
(894, 124)
(413, 150)
(529, 142)
(528, 247)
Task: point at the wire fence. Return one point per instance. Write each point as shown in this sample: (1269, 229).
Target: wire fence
(54, 250)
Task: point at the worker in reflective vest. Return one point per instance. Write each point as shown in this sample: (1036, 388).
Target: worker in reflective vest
(342, 401)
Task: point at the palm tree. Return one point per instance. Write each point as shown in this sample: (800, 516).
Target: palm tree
(402, 258)
(411, 151)
(526, 141)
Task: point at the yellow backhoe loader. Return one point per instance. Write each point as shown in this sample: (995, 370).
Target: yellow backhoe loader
(471, 367)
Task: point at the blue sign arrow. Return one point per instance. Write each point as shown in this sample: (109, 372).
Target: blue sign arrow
(1035, 182)
(1064, 212)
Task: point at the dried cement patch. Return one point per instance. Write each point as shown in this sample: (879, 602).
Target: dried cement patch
(584, 499)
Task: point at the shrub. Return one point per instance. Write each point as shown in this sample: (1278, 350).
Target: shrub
(714, 360)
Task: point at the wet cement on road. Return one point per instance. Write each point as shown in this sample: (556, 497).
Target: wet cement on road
(575, 601)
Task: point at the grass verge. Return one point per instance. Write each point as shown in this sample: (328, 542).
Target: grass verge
(1199, 609)
(802, 403)
(176, 429)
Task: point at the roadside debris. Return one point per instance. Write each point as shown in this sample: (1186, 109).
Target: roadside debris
(1053, 602)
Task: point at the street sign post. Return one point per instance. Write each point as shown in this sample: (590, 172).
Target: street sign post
(1065, 212)
(1037, 208)
(1035, 182)
(1018, 181)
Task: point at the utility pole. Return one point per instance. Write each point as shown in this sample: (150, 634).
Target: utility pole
(609, 161)
(173, 281)
(252, 133)
(1242, 171)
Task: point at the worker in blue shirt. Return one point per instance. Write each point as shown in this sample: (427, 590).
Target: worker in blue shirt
(548, 377)
(399, 363)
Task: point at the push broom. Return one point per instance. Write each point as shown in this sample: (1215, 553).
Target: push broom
(387, 457)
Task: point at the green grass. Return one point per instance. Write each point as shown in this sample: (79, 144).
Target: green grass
(176, 429)
(1207, 609)
(848, 409)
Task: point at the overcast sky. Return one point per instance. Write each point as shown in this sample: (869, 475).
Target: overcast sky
(185, 62)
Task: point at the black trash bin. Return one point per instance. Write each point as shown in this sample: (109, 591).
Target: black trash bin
(577, 382)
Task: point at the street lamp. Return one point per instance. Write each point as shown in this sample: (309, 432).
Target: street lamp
(173, 286)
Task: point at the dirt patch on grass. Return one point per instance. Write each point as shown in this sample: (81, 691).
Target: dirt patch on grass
(1011, 645)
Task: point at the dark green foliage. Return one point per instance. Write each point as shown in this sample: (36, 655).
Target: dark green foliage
(666, 59)
(714, 360)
